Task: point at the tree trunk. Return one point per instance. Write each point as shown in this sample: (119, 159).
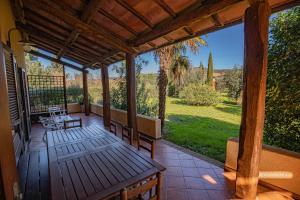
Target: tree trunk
(162, 85)
(164, 62)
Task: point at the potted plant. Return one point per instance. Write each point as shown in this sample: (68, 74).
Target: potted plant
(80, 101)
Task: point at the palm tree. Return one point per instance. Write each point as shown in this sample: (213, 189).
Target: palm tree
(165, 55)
(179, 66)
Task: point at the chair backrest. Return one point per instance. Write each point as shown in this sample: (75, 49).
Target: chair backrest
(143, 139)
(144, 187)
(73, 123)
(53, 110)
(127, 133)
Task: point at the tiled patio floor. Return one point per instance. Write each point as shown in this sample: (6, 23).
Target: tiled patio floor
(187, 176)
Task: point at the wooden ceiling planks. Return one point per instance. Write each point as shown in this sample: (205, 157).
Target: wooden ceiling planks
(87, 15)
(93, 32)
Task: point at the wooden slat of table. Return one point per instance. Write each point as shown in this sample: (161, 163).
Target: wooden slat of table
(93, 164)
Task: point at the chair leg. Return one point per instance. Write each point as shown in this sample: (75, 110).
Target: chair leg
(158, 186)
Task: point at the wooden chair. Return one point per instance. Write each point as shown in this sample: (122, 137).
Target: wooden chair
(73, 123)
(142, 139)
(113, 128)
(146, 186)
(127, 133)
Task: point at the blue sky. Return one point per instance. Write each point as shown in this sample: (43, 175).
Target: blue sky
(226, 46)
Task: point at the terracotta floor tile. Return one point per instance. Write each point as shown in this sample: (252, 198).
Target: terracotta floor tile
(219, 195)
(190, 171)
(168, 155)
(197, 194)
(185, 156)
(194, 183)
(171, 163)
(175, 194)
(175, 182)
(187, 163)
(174, 171)
(207, 172)
(202, 163)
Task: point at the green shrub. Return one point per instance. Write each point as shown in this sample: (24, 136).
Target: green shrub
(171, 90)
(146, 105)
(199, 94)
(282, 124)
(73, 92)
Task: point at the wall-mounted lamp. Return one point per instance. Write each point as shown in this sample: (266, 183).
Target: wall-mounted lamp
(26, 44)
(8, 42)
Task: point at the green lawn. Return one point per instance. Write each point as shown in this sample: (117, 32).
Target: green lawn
(204, 129)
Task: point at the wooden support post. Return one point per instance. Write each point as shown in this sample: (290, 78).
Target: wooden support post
(253, 108)
(7, 155)
(85, 93)
(106, 99)
(131, 93)
(65, 89)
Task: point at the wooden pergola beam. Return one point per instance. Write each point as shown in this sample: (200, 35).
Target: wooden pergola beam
(135, 13)
(46, 38)
(87, 15)
(254, 92)
(165, 7)
(188, 30)
(89, 30)
(102, 58)
(39, 54)
(131, 93)
(85, 93)
(217, 20)
(106, 98)
(185, 18)
(49, 26)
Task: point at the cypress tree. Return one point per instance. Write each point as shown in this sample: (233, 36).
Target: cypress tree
(210, 70)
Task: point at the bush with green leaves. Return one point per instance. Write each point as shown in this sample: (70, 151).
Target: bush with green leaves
(146, 105)
(199, 94)
(282, 122)
(233, 80)
(73, 92)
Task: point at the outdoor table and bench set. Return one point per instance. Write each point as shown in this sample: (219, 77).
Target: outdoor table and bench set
(92, 163)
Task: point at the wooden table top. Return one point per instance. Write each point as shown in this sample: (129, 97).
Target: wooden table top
(91, 163)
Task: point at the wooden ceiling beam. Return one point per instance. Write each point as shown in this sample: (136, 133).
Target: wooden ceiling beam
(78, 45)
(87, 15)
(48, 45)
(39, 54)
(185, 18)
(81, 26)
(216, 19)
(104, 57)
(188, 30)
(42, 23)
(46, 38)
(165, 7)
(135, 13)
(117, 21)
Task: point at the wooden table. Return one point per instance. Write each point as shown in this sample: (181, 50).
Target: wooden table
(91, 163)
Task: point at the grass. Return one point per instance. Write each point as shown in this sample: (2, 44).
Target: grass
(203, 129)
